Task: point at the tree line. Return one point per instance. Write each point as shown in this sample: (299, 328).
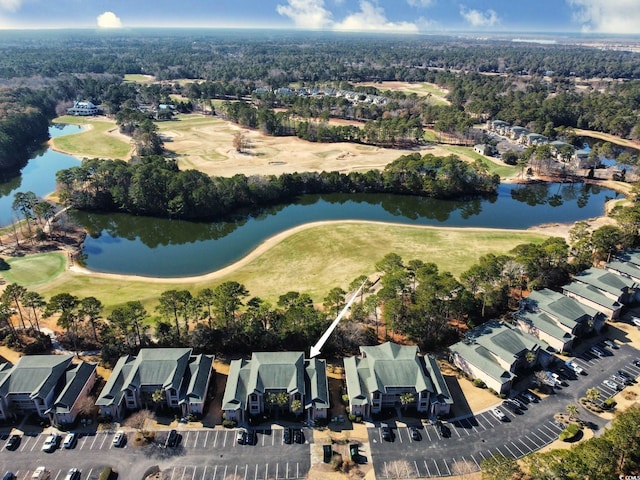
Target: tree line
(154, 186)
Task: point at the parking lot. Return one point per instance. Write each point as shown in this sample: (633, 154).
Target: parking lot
(203, 454)
(467, 441)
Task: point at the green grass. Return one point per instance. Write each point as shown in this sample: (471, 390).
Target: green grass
(314, 261)
(34, 269)
(138, 78)
(505, 171)
(91, 143)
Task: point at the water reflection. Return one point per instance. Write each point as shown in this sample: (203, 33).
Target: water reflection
(166, 248)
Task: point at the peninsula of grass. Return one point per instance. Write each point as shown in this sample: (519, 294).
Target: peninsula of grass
(35, 269)
(505, 171)
(93, 142)
(313, 260)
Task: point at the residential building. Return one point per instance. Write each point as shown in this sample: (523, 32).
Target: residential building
(82, 109)
(182, 377)
(384, 373)
(534, 139)
(49, 385)
(581, 159)
(568, 314)
(517, 132)
(272, 381)
(483, 149)
(496, 352)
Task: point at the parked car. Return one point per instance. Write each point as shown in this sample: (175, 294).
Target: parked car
(298, 436)
(635, 321)
(596, 351)
(445, 432)
(386, 432)
(13, 442)
(499, 414)
(611, 384)
(620, 380)
(519, 403)
(530, 396)
(636, 363)
(575, 367)
(610, 343)
(241, 436)
(119, 439)
(73, 474)
(40, 473)
(51, 443)
(250, 438)
(512, 407)
(172, 439)
(415, 434)
(557, 380)
(70, 440)
(9, 476)
(287, 435)
(625, 374)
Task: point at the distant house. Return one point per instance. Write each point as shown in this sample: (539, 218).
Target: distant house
(534, 139)
(82, 109)
(48, 385)
(483, 149)
(580, 159)
(254, 386)
(182, 377)
(517, 132)
(384, 373)
(495, 352)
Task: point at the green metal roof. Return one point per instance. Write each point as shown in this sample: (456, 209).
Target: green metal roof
(567, 310)
(159, 367)
(113, 390)
(605, 281)
(35, 375)
(482, 359)
(629, 256)
(443, 394)
(277, 371)
(592, 294)
(625, 268)
(316, 383)
(200, 367)
(546, 324)
(75, 380)
(356, 378)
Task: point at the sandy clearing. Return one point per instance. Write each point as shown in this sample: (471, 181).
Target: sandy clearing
(409, 87)
(208, 147)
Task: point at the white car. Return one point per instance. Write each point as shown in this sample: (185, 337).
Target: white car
(635, 321)
(51, 443)
(119, 438)
(40, 473)
(498, 414)
(69, 440)
(611, 384)
(575, 367)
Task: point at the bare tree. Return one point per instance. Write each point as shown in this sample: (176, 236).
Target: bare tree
(139, 420)
(398, 469)
(240, 142)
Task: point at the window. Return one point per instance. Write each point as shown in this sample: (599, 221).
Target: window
(254, 397)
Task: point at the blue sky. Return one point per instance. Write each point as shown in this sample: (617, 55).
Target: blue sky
(418, 16)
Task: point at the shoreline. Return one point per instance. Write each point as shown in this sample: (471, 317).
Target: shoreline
(279, 237)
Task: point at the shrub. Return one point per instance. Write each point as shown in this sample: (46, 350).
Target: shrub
(336, 461)
(570, 432)
(105, 474)
(609, 403)
(345, 399)
(229, 423)
(479, 383)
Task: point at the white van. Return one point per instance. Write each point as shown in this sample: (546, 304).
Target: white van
(41, 473)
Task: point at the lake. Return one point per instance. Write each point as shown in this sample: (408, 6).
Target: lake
(38, 175)
(120, 243)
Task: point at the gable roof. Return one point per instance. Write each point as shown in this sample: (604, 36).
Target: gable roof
(592, 294)
(73, 383)
(199, 373)
(316, 383)
(113, 390)
(482, 359)
(35, 375)
(629, 256)
(393, 365)
(159, 367)
(443, 395)
(546, 324)
(277, 371)
(605, 281)
(567, 311)
(625, 268)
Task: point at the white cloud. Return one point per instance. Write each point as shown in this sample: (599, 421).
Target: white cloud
(420, 3)
(607, 16)
(312, 14)
(109, 20)
(306, 13)
(372, 18)
(10, 5)
(476, 18)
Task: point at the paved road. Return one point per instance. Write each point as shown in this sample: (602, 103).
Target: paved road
(477, 437)
(208, 454)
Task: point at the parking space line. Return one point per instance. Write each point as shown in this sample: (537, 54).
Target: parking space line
(204, 472)
(446, 465)
(488, 420)
(535, 445)
(427, 467)
(266, 471)
(480, 424)
(206, 439)
(224, 475)
(104, 440)
(400, 435)
(518, 448)
(506, 456)
(545, 434)
(297, 470)
(246, 471)
(455, 429)
(94, 441)
(543, 442)
(426, 430)
(475, 461)
(35, 442)
(415, 464)
(224, 442)
(482, 455)
(195, 443)
(437, 468)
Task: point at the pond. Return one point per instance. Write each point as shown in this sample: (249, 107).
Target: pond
(119, 243)
(38, 175)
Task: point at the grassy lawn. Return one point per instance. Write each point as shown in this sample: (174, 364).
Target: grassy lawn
(94, 142)
(505, 171)
(314, 261)
(139, 78)
(34, 269)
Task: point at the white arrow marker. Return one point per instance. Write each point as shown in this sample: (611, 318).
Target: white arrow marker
(315, 350)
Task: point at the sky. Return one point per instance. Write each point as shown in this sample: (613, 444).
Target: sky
(392, 16)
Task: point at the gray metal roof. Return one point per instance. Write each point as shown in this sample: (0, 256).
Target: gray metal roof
(113, 390)
(605, 281)
(35, 375)
(443, 395)
(625, 268)
(482, 359)
(200, 367)
(629, 256)
(592, 294)
(566, 310)
(546, 324)
(316, 383)
(159, 367)
(72, 386)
